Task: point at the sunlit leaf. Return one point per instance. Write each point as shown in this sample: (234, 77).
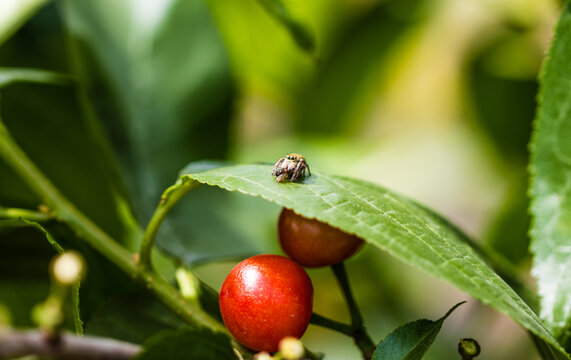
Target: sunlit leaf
(387, 221)
(298, 32)
(348, 76)
(551, 185)
(14, 13)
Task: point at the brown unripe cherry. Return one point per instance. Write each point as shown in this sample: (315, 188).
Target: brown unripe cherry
(312, 243)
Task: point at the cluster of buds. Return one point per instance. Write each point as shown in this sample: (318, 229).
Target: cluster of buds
(290, 348)
(66, 270)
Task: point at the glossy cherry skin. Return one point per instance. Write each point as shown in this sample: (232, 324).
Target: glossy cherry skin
(312, 243)
(264, 299)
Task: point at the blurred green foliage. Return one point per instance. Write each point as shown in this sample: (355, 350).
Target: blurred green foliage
(161, 83)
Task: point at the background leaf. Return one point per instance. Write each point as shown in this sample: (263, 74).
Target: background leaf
(388, 221)
(15, 13)
(349, 73)
(410, 341)
(161, 85)
(132, 316)
(162, 89)
(56, 132)
(551, 185)
(298, 32)
(188, 343)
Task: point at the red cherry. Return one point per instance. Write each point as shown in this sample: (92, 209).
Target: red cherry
(264, 299)
(312, 243)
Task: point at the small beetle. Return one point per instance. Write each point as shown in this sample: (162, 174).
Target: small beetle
(291, 166)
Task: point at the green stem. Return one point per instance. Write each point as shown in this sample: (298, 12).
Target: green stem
(31, 215)
(96, 237)
(169, 198)
(341, 275)
(359, 333)
(320, 320)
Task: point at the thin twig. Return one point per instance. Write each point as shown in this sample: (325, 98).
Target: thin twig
(63, 346)
(15, 213)
(359, 333)
(170, 197)
(323, 321)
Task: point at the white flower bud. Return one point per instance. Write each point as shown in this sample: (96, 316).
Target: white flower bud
(291, 348)
(264, 355)
(67, 268)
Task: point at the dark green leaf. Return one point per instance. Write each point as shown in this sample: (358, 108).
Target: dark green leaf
(208, 298)
(164, 99)
(410, 341)
(546, 350)
(133, 317)
(388, 221)
(20, 12)
(550, 182)
(24, 259)
(503, 97)
(213, 222)
(18, 223)
(54, 136)
(188, 343)
(56, 132)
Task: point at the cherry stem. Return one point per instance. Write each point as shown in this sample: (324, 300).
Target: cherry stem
(340, 327)
(358, 332)
(31, 215)
(169, 198)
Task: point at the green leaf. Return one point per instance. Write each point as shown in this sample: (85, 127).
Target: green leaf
(347, 79)
(134, 316)
(503, 97)
(17, 223)
(298, 32)
(546, 350)
(550, 183)
(56, 133)
(187, 343)
(14, 14)
(388, 221)
(164, 99)
(410, 341)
